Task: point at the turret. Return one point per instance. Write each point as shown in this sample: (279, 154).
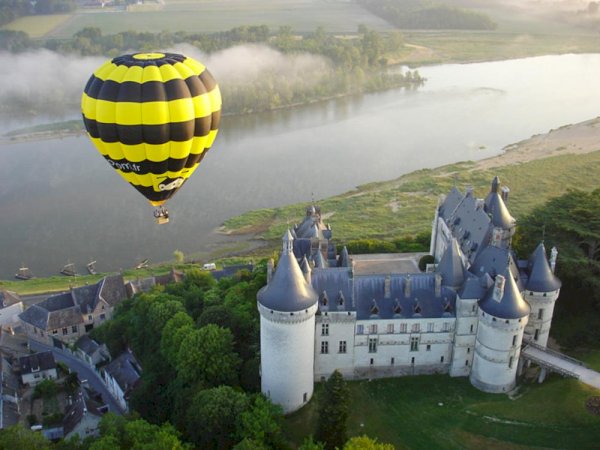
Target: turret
(503, 223)
(503, 315)
(451, 266)
(541, 292)
(287, 307)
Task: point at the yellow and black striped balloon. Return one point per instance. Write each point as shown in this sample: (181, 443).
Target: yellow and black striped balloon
(152, 116)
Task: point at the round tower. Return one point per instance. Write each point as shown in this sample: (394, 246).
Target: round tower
(541, 291)
(287, 307)
(503, 316)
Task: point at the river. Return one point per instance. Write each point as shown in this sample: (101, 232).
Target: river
(60, 200)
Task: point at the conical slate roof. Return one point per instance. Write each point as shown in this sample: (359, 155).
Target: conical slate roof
(541, 278)
(344, 258)
(510, 305)
(451, 266)
(288, 290)
(496, 208)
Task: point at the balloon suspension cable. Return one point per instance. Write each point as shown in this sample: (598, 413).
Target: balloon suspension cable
(161, 215)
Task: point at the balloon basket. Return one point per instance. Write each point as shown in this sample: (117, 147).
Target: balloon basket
(161, 215)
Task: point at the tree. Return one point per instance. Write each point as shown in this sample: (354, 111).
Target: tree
(262, 423)
(571, 223)
(366, 443)
(213, 418)
(333, 412)
(206, 357)
(19, 438)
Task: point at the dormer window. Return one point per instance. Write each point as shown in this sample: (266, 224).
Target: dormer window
(374, 308)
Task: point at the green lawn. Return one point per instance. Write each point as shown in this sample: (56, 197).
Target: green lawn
(439, 412)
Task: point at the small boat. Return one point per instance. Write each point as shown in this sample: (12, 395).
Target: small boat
(69, 270)
(143, 264)
(24, 274)
(91, 268)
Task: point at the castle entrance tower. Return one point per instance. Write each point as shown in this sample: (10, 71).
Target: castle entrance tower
(287, 307)
(503, 316)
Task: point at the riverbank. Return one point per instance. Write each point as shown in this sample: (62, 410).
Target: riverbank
(535, 169)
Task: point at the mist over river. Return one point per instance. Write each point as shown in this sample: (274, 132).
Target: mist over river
(60, 200)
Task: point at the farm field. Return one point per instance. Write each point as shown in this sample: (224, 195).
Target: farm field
(448, 413)
(213, 16)
(38, 26)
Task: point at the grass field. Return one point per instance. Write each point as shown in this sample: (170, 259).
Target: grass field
(38, 26)
(439, 412)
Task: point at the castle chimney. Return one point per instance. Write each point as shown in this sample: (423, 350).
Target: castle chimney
(553, 255)
(438, 285)
(270, 265)
(407, 283)
(387, 288)
(468, 190)
(505, 191)
(499, 288)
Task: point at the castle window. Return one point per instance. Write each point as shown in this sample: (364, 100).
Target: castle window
(510, 362)
(473, 308)
(324, 347)
(305, 397)
(446, 326)
(441, 359)
(373, 329)
(360, 329)
(430, 327)
(390, 328)
(416, 327)
(65, 331)
(467, 362)
(514, 340)
(392, 361)
(412, 360)
(74, 328)
(471, 328)
(536, 335)
(90, 317)
(468, 349)
(325, 329)
(342, 348)
(403, 328)
(541, 313)
(428, 347)
(102, 316)
(53, 331)
(373, 345)
(371, 361)
(414, 344)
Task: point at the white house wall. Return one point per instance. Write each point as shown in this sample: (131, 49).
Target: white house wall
(340, 329)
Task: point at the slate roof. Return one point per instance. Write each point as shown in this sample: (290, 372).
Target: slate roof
(288, 290)
(336, 284)
(420, 302)
(451, 266)
(511, 304)
(87, 345)
(67, 309)
(8, 298)
(36, 363)
(495, 207)
(125, 370)
(9, 389)
(541, 278)
(475, 287)
(80, 407)
(493, 261)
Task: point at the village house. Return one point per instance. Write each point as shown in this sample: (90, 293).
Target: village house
(9, 395)
(91, 351)
(37, 367)
(121, 377)
(10, 308)
(64, 318)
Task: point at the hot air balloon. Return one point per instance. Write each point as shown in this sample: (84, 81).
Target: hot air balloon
(153, 116)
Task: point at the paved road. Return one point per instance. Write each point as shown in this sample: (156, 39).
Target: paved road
(84, 372)
(554, 359)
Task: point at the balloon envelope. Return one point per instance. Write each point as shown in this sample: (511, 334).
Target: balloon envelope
(153, 116)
